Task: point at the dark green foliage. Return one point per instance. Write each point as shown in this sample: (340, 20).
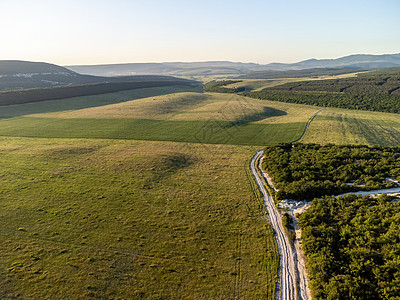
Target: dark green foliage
(299, 73)
(374, 93)
(305, 171)
(61, 92)
(365, 84)
(352, 245)
(287, 224)
(218, 87)
(384, 71)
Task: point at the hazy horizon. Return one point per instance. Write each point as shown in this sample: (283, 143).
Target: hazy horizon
(102, 32)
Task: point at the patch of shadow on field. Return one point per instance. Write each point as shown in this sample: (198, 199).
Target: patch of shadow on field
(184, 102)
(266, 113)
(64, 152)
(166, 165)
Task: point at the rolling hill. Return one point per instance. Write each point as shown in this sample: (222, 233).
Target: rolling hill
(17, 75)
(356, 62)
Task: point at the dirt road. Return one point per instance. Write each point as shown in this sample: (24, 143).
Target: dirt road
(287, 274)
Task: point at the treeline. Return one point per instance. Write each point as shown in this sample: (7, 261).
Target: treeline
(306, 171)
(371, 102)
(61, 92)
(382, 84)
(352, 244)
(218, 87)
(299, 73)
(373, 93)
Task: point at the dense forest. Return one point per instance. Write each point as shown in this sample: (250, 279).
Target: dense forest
(374, 93)
(305, 171)
(387, 85)
(61, 92)
(299, 73)
(353, 247)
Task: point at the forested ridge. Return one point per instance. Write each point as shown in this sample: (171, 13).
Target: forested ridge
(379, 84)
(305, 171)
(353, 247)
(299, 73)
(374, 93)
(62, 92)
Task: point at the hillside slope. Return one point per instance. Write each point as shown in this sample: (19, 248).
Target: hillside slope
(356, 62)
(17, 75)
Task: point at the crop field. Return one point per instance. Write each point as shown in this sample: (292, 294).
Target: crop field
(259, 84)
(183, 117)
(130, 219)
(211, 118)
(99, 200)
(89, 101)
(344, 126)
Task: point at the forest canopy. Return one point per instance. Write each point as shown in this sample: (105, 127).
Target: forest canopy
(373, 93)
(352, 246)
(305, 171)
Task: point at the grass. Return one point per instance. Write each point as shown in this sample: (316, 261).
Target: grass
(182, 117)
(210, 132)
(88, 101)
(195, 106)
(259, 84)
(343, 126)
(131, 219)
(89, 209)
(196, 117)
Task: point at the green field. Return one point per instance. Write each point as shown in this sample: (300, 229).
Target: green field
(145, 193)
(88, 101)
(344, 126)
(182, 117)
(130, 219)
(259, 84)
(195, 117)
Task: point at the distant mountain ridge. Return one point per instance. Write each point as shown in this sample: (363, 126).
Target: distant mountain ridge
(356, 61)
(15, 75)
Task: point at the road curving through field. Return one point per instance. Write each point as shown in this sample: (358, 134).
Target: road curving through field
(287, 288)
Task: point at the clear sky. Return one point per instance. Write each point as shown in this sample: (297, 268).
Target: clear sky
(115, 31)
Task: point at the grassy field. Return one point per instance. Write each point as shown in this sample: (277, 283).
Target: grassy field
(131, 219)
(199, 118)
(343, 126)
(99, 201)
(89, 101)
(194, 107)
(182, 117)
(259, 84)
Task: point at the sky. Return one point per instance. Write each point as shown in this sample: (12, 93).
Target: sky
(73, 32)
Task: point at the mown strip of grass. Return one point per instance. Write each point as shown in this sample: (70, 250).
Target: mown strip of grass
(212, 131)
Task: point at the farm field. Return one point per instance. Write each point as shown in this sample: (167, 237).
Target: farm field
(183, 117)
(100, 199)
(89, 101)
(344, 126)
(130, 219)
(259, 84)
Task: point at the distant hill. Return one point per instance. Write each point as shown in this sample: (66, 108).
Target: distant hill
(356, 62)
(169, 68)
(17, 75)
